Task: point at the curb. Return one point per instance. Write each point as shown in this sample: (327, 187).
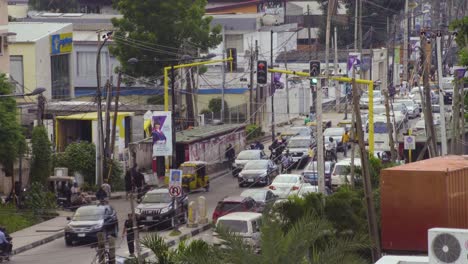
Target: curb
(174, 242)
(38, 243)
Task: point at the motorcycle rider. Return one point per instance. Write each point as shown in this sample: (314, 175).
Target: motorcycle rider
(286, 162)
(5, 245)
(333, 150)
(258, 145)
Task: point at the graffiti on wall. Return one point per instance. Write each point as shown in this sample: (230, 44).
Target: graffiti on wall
(212, 150)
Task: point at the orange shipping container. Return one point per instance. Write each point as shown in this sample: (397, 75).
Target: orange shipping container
(421, 195)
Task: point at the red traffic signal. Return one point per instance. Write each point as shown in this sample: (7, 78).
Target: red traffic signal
(262, 72)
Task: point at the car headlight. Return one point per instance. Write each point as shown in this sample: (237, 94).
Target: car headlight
(96, 227)
(138, 210)
(165, 210)
(234, 164)
(240, 175)
(68, 228)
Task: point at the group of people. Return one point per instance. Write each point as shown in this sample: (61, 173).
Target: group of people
(5, 242)
(135, 181)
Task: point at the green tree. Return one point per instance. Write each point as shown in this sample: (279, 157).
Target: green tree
(161, 29)
(461, 26)
(383, 9)
(62, 6)
(215, 105)
(12, 142)
(81, 157)
(41, 155)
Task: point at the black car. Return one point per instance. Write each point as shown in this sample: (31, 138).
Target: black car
(310, 173)
(257, 172)
(88, 221)
(157, 208)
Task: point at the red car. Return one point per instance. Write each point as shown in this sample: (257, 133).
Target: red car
(232, 204)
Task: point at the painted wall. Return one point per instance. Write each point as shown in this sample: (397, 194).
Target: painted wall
(212, 150)
(28, 51)
(4, 56)
(245, 9)
(18, 11)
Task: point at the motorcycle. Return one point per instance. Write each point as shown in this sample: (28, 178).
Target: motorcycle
(5, 255)
(329, 152)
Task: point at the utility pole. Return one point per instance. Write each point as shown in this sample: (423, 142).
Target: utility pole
(356, 8)
(287, 84)
(135, 224)
(353, 127)
(257, 91)
(456, 115)
(337, 87)
(224, 74)
(251, 108)
(188, 98)
(320, 143)
(99, 147)
(314, 92)
(443, 129)
(272, 90)
(391, 142)
(405, 43)
(371, 216)
(430, 131)
(107, 122)
(195, 92)
(114, 121)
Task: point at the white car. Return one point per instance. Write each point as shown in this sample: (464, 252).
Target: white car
(243, 224)
(336, 133)
(285, 185)
(412, 107)
(377, 99)
(308, 188)
(341, 173)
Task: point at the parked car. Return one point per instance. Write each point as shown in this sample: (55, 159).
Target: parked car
(232, 204)
(436, 113)
(341, 173)
(157, 208)
(298, 148)
(261, 196)
(336, 133)
(377, 99)
(309, 188)
(257, 172)
(88, 221)
(242, 224)
(285, 185)
(296, 131)
(412, 107)
(244, 156)
(310, 173)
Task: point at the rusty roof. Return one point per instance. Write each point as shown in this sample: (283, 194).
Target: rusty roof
(446, 163)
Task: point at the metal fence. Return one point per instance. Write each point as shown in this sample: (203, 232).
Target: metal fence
(233, 115)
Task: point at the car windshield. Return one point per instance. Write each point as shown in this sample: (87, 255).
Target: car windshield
(398, 107)
(342, 169)
(435, 108)
(298, 143)
(303, 131)
(248, 155)
(230, 207)
(375, 94)
(89, 213)
(157, 198)
(379, 110)
(257, 195)
(236, 226)
(333, 132)
(380, 127)
(256, 165)
(285, 179)
(409, 103)
(313, 166)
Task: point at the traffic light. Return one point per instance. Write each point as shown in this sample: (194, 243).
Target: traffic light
(314, 68)
(232, 65)
(262, 72)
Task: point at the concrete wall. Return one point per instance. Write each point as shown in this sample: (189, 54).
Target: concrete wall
(6, 182)
(18, 11)
(212, 150)
(4, 54)
(28, 51)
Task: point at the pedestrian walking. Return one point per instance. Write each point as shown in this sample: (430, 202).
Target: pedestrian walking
(345, 140)
(306, 120)
(129, 234)
(107, 188)
(101, 195)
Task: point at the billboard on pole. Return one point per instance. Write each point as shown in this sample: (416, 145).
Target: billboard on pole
(161, 133)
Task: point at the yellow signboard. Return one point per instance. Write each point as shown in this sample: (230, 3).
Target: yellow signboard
(61, 43)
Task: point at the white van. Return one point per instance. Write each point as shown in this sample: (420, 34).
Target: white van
(342, 170)
(244, 224)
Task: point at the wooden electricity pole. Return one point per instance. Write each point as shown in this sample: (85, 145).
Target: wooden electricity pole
(456, 116)
(369, 197)
(428, 119)
(391, 141)
(251, 108)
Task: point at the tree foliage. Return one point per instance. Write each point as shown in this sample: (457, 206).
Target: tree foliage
(160, 29)
(382, 8)
(215, 105)
(12, 142)
(63, 6)
(40, 201)
(41, 155)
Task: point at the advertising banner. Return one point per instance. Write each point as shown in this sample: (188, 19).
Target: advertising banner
(61, 43)
(161, 133)
(353, 59)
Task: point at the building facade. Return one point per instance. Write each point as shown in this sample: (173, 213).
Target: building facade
(40, 56)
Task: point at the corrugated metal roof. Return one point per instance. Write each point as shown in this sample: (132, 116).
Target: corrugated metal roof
(33, 31)
(203, 132)
(446, 163)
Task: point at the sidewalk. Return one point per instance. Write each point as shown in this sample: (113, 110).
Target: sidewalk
(40, 234)
(122, 250)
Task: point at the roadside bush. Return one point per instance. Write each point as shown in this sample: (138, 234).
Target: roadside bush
(41, 155)
(215, 105)
(81, 157)
(253, 131)
(86, 187)
(14, 220)
(116, 179)
(40, 201)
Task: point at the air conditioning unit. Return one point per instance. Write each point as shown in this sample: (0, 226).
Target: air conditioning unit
(448, 245)
(60, 172)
